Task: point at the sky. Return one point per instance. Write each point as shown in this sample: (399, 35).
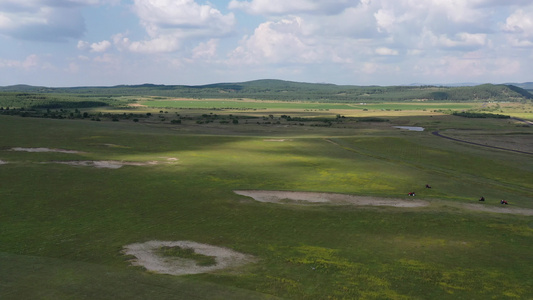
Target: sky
(63, 43)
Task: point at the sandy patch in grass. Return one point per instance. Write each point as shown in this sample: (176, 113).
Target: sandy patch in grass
(105, 164)
(286, 197)
(115, 146)
(3, 162)
(170, 158)
(330, 198)
(275, 140)
(146, 256)
(44, 150)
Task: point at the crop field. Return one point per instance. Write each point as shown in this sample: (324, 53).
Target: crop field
(76, 189)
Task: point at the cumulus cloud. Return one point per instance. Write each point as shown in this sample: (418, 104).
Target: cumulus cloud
(274, 42)
(283, 7)
(170, 22)
(519, 26)
(83, 45)
(30, 62)
(205, 50)
(94, 47)
(373, 38)
(161, 43)
(383, 36)
(386, 51)
(468, 67)
(100, 46)
(48, 20)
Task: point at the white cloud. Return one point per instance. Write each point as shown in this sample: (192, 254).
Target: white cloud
(100, 46)
(385, 20)
(375, 68)
(284, 7)
(519, 22)
(182, 14)
(461, 40)
(106, 58)
(275, 42)
(169, 22)
(94, 47)
(43, 20)
(161, 43)
(469, 67)
(205, 50)
(30, 62)
(519, 27)
(83, 45)
(371, 41)
(386, 51)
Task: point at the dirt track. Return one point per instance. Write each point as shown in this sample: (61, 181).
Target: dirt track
(436, 133)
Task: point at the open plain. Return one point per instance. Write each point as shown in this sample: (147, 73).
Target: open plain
(314, 199)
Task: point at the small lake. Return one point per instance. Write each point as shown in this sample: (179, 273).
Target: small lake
(412, 128)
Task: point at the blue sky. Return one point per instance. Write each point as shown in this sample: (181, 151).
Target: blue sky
(359, 42)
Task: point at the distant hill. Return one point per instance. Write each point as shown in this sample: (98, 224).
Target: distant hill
(524, 85)
(269, 89)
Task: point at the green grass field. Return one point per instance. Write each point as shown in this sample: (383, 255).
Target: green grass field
(62, 227)
(264, 105)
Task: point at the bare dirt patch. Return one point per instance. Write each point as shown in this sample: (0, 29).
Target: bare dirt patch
(276, 140)
(146, 256)
(106, 164)
(170, 158)
(3, 162)
(306, 198)
(114, 146)
(284, 197)
(44, 150)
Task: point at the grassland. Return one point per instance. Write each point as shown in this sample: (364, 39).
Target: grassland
(63, 227)
(268, 105)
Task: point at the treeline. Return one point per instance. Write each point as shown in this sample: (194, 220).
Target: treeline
(467, 114)
(481, 92)
(70, 114)
(297, 91)
(55, 101)
(69, 104)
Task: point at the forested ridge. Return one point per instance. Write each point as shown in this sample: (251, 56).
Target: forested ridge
(293, 91)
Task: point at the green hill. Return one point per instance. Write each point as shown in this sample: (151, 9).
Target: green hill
(269, 89)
